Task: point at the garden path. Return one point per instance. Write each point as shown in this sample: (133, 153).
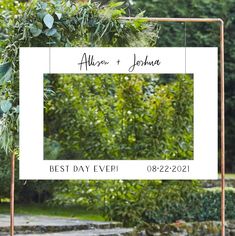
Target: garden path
(55, 226)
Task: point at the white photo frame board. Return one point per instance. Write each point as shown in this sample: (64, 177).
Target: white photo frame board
(201, 62)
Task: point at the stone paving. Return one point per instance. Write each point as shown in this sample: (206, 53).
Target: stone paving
(25, 220)
(94, 232)
(56, 226)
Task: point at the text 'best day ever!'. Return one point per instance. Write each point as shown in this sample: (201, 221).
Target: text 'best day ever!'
(83, 168)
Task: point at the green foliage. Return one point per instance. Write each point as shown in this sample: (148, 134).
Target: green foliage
(140, 202)
(120, 116)
(4, 175)
(9, 9)
(52, 149)
(5, 178)
(56, 23)
(123, 201)
(25, 191)
(202, 205)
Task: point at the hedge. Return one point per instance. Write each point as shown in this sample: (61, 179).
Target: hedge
(200, 206)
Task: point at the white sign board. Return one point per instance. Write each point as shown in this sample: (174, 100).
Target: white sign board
(201, 62)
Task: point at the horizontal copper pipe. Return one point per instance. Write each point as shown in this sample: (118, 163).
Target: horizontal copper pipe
(156, 19)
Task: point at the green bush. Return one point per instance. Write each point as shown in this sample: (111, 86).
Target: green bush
(5, 168)
(119, 117)
(118, 200)
(25, 191)
(136, 202)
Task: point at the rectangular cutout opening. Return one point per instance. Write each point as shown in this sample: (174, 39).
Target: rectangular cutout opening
(118, 117)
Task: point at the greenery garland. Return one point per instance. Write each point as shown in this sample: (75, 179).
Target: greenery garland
(58, 23)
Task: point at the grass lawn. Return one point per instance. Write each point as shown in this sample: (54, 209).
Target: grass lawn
(228, 176)
(44, 210)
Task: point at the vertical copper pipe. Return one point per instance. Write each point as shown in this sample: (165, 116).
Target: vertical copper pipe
(222, 126)
(12, 196)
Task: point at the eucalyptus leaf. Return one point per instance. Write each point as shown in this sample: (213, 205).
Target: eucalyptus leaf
(5, 72)
(34, 30)
(59, 15)
(41, 5)
(44, 5)
(41, 14)
(48, 20)
(50, 32)
(5, 105)
(58, 36)
(17, 109)
(39, 25)
(68, 4)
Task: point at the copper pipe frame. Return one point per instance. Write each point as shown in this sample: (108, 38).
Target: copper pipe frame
(222, 106)
(12, 194)
(222, 111)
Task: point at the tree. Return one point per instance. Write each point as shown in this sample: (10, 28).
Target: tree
(201, 35)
